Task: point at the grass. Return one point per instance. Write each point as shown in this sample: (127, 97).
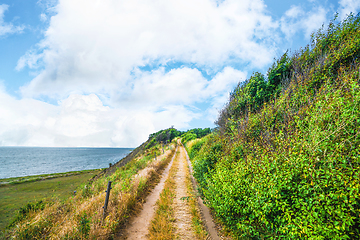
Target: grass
(30, 189)
(35, 178)
(81, 216)
(161, 226)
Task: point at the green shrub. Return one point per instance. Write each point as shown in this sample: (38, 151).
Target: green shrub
(285, 162)
(188, 137)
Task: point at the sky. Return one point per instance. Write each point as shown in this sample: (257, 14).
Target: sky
(107, 73)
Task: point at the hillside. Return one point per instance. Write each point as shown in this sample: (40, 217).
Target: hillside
(82, 216)
(284, 162)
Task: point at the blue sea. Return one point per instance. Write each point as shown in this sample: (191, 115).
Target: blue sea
(26, 161)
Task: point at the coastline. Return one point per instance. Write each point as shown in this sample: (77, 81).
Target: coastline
(34, 178)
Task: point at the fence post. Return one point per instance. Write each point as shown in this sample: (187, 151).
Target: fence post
(107, 197)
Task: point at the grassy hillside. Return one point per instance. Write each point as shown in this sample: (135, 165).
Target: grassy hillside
(284, 162)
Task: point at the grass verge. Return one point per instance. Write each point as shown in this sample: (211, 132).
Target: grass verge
(34, 178)
(162, 227)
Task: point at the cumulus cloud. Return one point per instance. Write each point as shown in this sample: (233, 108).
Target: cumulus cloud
(296, 19)
(178, 86)
(7, 28)
(157, 100)
(98, 48)
(347, 7)
(120, 70)
(81, 120)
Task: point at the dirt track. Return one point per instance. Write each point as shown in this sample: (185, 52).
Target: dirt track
(138, 227)
(181, 208)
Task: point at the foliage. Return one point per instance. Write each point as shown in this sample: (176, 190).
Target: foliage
(199, 132)
(163, 136)
(285, 163)
(188, 137)
(254, 92)
(167, 135)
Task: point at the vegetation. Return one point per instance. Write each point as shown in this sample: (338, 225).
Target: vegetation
(81, 216)
(167, 135)
(284, 162)
(17, 194)
(34, 178)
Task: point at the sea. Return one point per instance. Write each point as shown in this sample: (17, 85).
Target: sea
(27, 161)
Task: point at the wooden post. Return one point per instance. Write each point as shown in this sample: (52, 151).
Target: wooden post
(107, 197)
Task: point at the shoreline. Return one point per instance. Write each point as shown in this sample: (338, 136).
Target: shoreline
(34, 178)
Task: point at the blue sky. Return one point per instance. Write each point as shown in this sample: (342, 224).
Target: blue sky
(109, 73)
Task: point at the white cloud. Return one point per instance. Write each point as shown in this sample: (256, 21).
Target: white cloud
(178, 86)
(93, 57)
(314, 20)
(296, 19)
(7, 28)
(43, 17)
(348, 6)
(81, 120)
(31, 59)
(97, 48)
(158, 100)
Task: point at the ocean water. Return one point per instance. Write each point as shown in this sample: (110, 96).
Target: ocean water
(26, 161)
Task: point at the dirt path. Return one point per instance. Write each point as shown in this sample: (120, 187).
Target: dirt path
(139, 225)
(181, 208)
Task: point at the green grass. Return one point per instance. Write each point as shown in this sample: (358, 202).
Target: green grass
(21, 191)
